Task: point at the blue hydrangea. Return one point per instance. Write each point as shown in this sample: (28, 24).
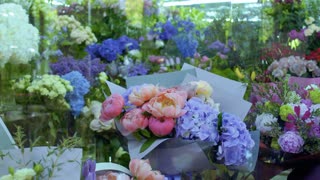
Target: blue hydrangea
(200, 122)
(110, 49)
(168, 31)
(126, 43)
(93, 50)
(219, 47)
(234, 138)
(185, 26)
(80, 88)
(186, 44)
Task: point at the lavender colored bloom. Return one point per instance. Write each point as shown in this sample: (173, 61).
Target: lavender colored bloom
(89, 68)
(234, 138)
(315, 131)
(88, 170)
(138, 69)
(128, 106)
(110, 49)
(80, 88)
(186, 26)
(293, 34)
(186, 44)
(219, 46)
(93, 50)
(126, 43)
(291, 142)
(168, 31)
(200, 122)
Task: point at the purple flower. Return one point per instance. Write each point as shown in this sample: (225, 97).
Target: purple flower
(291, 142)
(200, 122)
(315, 131)
(219, 46)
(234, 138)
(110, 49)
(138, 69)
(88, 170)
(89, 68)
(293, 34)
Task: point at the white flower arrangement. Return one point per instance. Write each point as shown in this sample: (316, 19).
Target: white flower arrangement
(18, 39)
(78, 33)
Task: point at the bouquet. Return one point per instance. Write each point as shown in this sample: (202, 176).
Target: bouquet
(287, 115)
(167, 120)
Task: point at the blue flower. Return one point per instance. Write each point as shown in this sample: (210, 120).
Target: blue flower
(80, 88)
(234, 138)
(186, 44)
(110, 49)
(200, 122)
(93, 50)
(126, 43)
(168, 31)
(138, 69)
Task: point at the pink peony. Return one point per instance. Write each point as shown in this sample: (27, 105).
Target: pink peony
(141, 169)
(168, 103)
(161, 127)
(142, 94)
(111, 107)
(133, 120)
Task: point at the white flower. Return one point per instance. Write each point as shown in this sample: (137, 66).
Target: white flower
(7, 177)
(309, 20)
(263, 120)
(24, 174)
(159, 43)
(95, 108)
(308, 32)
(311, 86)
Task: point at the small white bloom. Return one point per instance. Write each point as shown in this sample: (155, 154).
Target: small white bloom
(25, 174)
(309, 20)
(263, 120)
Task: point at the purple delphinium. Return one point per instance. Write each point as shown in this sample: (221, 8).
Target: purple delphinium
(236, 141)
(80, 88)
(186, 44)
(89, 68)
(110, 49)
(138, 69)
(88, 170)
(199, 122)
(126, 43)
(291, 142)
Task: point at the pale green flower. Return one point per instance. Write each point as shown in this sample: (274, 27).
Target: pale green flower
(309, 20)
(24, 174)
(7, 177)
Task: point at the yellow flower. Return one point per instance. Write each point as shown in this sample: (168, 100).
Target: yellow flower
(253, 76)
(239, 74)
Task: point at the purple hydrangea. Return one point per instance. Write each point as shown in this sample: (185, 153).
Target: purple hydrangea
(80, 88)
(315, 131)
(186, 44)
(89, 170)
(236, 141)
(138, 69)
(200, 122)
(89, 68)
(291, 142)
(110, 49)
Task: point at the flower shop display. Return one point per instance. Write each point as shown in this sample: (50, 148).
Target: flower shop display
(170, 119)
(287, 115)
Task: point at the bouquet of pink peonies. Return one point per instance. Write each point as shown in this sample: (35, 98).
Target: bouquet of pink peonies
(176, 117)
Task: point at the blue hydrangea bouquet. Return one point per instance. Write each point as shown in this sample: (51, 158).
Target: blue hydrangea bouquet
(204, 132)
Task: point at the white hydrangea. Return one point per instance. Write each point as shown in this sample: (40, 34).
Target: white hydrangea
(19, 40)
(309, 20)
(78, 33)
(263, 120)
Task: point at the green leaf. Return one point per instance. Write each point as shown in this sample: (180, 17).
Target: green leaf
(147, 144)
(145, 133)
